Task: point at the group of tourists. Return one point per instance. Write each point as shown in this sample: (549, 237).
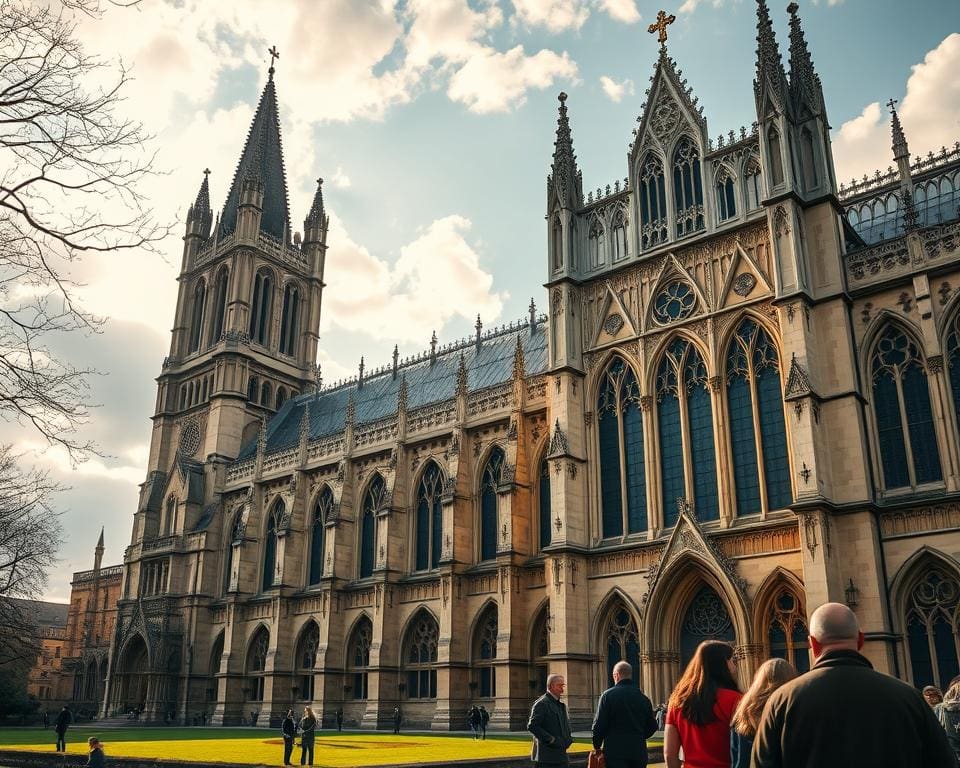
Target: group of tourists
(479, 719)
(841, 713)
(307, 728)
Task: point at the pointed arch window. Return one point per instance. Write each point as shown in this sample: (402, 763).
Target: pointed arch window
(219, 305)
(274, 522)
(420, 657)
(261, 308)
(490, 480)
(953, 362)
(485, 653)
(787, 632)
(544, 506)
(281, 397)
(620, 227)
(429, 533)
(755, 404)
(257, 664)
(596, 243)
(683, 390)
(322, 511)
(265, 391)
(622, 641)
(540, 649)
(707, 618)
(726, 200)
(776, 156)
(358, 658)
(289, 320)
(653, 202)
(373, 502)
(687, 188)
(196, 319)
(236, 536)
(623, 480)
(933, 625)
(253, 389)
(307, 660)
(901, 404)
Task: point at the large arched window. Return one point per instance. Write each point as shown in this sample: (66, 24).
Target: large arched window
(620, 230)
(322, 511)
(485, 653)
(726, 200)
(261, 307)
(544, 513)
(933, 626)
(306, 660)
(621, 639)
(196, 317)
(787, 633)
(236, 536)
(623, 481)
(751, 183)
(372, 503)
(490, 479)
(683, 389)
(596, 243)
(429, 533)
(901, 404)
(754, 399)
(420, 656)
(257, 664)
(289, 320)
(219, 305)
(687, 188)
(270, 544)
(358, 658)
(706, 618)
(653, 202)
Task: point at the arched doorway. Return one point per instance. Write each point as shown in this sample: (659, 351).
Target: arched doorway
(134, 678)
(706, 618)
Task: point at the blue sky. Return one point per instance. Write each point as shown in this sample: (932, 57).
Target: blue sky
(433, 124)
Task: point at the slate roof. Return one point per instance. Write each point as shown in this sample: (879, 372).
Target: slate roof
(43, 613)
(488, 365)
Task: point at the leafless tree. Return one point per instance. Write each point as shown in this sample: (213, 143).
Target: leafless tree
(70, 166)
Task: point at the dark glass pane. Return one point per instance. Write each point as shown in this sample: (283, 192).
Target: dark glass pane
(423, 533)
(546, 521)
(745, 474)
(920, 662)
(893, 457)
(700, 415)
(773, 438)
(367, 544)
(270, 555)
(671, 457)
(923, 438)
(316, 552)
(636, 471)
(610, 491)
(412, 687)
(706, 618)
(436, 536)
(488, 524)
(946, 648)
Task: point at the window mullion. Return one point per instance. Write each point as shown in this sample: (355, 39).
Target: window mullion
(931, 642)
(624, 500)
(905, 427)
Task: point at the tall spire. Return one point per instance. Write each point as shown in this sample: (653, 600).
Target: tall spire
(804, 81)
(200, 212)
(564, 174)
(262, 162)
(770, 75)
(900, 148)
(316, 217)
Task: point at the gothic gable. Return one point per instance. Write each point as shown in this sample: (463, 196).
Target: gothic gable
(614, 322)
(676, 296)
(744, 280)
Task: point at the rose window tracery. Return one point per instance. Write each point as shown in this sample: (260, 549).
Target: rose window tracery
(676, 301)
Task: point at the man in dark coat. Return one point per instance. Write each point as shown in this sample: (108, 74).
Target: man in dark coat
(624, 721)
(60, 726)
(339, 718)
(842, 713)
(289, 731)
(550, 725)
(397, 719)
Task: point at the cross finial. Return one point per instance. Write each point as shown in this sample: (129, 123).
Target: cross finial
(661, 27)
(274, 55)
(206, 171)
(892, 104)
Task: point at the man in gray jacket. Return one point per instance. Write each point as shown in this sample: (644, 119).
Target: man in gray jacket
(550, 725)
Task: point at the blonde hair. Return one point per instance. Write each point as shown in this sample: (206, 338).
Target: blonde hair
(771, 675)
(953, 693)
(309, 712)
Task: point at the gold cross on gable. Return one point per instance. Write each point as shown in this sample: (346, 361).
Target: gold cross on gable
(661, 26)
(274, 55)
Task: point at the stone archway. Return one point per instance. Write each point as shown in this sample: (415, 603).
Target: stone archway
(133, 677)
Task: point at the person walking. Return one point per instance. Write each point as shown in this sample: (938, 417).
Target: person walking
(843, 713)
(624, 721)
(484, 721)
(949, 715)
(661, 715)
(96, 758)
(289, 731)
(60, 727)
(308, 729)
(397, 719)
(700, 709)
(46, 719)
(339, 719)
(771, 675)
(475, 718)
(550, 725)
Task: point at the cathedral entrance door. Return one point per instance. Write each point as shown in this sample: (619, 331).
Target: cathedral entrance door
(134, 674)
(706, 618)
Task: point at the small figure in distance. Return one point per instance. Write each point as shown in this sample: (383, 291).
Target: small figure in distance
(550, 725)
(96, 758)
(624, 721)
(397, 719)
(771, 675)
(60, 727)
(475, 719)
(842, 713)
(288, 729)
(484, 721)
(661, 715)
(339, 718)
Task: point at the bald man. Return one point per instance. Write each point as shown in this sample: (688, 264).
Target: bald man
(624, 721)
(844, 714)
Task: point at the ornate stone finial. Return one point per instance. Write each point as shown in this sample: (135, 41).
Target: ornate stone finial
(360, 378)
(564, 174)
(317, 380)
(660, 27)
(351, 415)
(518, 363)
(396, 357)
(402, 394)
(558, 442)
(479, 327)
(532, 309)
(274, 55)
(770, 74)
(433, 347)
(262, 437)
(462, 376)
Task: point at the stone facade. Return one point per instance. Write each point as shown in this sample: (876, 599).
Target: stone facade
(701, 438)
(49, 621)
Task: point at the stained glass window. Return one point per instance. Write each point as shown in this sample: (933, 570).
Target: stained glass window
(687, 188)
(787, 633)
(901, 400)
(489, 482)
(485, 653)
(622, 468)
(676, 301)
(322, 511)
(270, 544)
(622, 639)
(933, 624)
(953, 362)
(620, 227)
(306, 660)
(420, 657)
(653, 203)
(706, 618)
(429, 518)
(372, 502)
(543, 492)
(726, 201)
(257, 663)
(219, 305)
(358, 658)
(261, 308)
(289, 320)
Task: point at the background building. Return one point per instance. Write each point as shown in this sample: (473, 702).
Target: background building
(741, 403)
(49, 621)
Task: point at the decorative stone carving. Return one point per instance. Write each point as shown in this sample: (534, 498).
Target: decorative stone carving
(743, 284)
(190, 437)
(781, 221)
(613, 324)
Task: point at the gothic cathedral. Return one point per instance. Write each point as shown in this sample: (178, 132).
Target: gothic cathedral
(742, 402)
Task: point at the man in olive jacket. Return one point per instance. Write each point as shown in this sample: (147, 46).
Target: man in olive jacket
(550, 725)
(842, 713)
(624, 721)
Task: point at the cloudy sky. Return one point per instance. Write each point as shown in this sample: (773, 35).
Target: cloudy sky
(432, 122)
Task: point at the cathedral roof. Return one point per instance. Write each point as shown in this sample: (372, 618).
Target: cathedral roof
(262, 162)
(427, 382)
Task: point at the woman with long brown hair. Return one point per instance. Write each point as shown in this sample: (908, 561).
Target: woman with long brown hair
(771, 675)
(701, 707)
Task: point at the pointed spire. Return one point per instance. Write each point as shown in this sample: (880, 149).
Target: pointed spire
(316, 217)
(402, 394)
(770, 74)
(360, 378)
(532, 309)
(100, 540)
(199, 212)
(261, 162)
(479, 328)
(564, 172)
(396, 357)
(900, 148)
(804, 82)
(202, 203)
(462, 376)
(433, 347)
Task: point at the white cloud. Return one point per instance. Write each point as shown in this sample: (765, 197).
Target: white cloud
(621, 10)
(689, 6)
(498, 82)
(616, 91)
(929, 112)
(437, 277)
(340, 179)
(448, 30)
(553, 15)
